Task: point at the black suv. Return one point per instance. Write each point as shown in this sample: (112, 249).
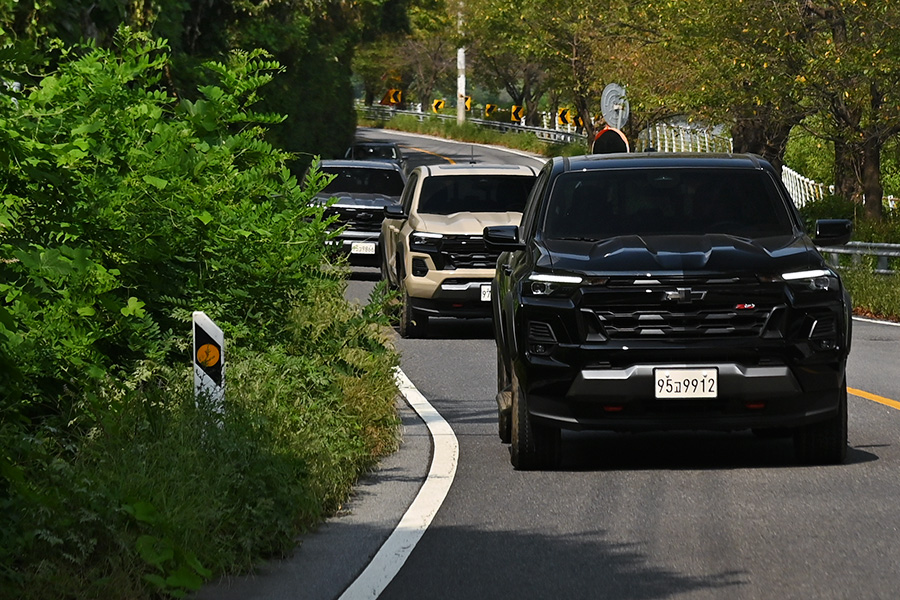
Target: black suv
(664, 292)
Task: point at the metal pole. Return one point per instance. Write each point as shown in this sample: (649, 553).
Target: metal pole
(461, 86)
(461, 73)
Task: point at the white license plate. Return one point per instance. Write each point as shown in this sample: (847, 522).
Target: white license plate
(486, 292)
(362, 248)
(686, 383)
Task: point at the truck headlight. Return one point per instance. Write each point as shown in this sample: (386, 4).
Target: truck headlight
(424, 241)
(813, 279)
(546, 284)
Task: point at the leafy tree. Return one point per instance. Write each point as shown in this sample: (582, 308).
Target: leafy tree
(494, 31)
(123, 207)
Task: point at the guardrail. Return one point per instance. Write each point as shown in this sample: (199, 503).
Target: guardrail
(556, 136)
(883, 252)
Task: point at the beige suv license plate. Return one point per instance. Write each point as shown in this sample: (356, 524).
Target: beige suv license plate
(686, 383)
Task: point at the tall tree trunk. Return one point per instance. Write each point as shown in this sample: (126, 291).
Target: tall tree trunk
(846, 182)
(870, 175)
(765, 134)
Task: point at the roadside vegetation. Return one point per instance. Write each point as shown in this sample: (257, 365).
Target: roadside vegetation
(124, 208)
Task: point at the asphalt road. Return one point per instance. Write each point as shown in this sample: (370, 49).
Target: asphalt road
(634, 516)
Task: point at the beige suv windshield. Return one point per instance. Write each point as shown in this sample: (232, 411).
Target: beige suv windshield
(466, 193)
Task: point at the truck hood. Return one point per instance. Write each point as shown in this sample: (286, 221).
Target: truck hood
(358, 200)
(464, 223)
(683, 254)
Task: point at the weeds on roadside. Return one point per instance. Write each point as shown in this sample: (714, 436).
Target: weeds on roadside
(163, 495)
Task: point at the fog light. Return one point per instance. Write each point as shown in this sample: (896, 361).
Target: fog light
(540, 349)
(419, 268)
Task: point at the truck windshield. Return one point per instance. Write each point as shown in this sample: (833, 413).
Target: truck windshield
(603, 204)
(361, 180)
(450, 194)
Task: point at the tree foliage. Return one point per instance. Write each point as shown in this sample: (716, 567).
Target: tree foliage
(757, 67)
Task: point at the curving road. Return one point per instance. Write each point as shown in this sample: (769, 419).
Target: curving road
(639, 516)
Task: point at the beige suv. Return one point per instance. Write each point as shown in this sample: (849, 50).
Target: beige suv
(431, 244)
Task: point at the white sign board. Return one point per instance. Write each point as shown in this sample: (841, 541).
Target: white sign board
(209, 361)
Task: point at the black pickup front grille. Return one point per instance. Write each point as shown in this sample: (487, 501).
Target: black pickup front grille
(712, 322)
(358, 219)
(681, 308)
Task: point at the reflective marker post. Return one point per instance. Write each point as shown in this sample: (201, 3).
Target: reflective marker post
(209, 362)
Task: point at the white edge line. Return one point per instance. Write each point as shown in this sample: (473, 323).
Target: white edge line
(877, 321)
(396, 549)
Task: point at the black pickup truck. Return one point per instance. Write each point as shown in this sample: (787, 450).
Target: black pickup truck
(668, 292)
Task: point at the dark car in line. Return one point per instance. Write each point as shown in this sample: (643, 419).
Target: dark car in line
(359, 193)
(668, 292)
(375, 150)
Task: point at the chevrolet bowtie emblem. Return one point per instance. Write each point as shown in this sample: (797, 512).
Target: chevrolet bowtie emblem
(683, 295)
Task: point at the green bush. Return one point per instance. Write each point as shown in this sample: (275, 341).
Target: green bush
(123, 209)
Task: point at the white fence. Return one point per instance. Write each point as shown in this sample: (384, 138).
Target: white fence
(664, 137)
(803, 189)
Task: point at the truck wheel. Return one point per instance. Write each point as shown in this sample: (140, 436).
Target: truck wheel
(825, 442)
(412, 325)
(534, 446)
(504, 401)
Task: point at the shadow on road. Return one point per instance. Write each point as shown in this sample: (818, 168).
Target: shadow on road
(589, 451)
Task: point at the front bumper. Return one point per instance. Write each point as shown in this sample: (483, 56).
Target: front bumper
(455, 298)
(461, 293)
(623, 399)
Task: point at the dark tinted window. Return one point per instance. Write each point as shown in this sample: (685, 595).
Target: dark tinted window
(364, 181)
(603, 204)
(474, 193)
(366, 152)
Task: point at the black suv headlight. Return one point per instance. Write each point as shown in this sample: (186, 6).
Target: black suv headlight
(551, 284)
(812, 280)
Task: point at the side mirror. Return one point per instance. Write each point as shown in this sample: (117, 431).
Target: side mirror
(833, 232)
(394, 211)
(503, 238)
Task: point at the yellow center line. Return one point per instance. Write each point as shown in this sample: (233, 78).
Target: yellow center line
(449, 160)
(875, 398)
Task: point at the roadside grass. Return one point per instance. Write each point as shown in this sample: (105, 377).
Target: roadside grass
(165, 493)
(874, 295)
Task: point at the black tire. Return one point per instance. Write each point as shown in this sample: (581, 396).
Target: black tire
(825, 442)
(412, 325)
(533, 445)
(504, 417)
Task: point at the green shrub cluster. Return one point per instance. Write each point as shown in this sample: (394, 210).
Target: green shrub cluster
(125, 208)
